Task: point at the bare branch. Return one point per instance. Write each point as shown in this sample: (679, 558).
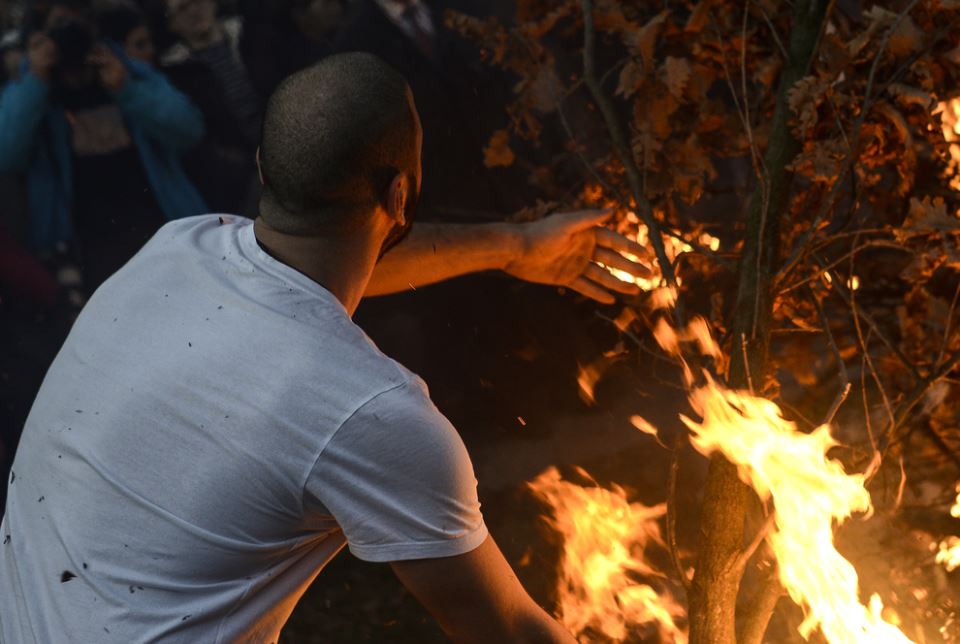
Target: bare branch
(877, 243)
(948, 327)
(746, 363)
(762, 605)
(758, 538)
(920, 390)
(773, 31)
(672, 512)
(841, 365)
(841, 290)
(619, 141)
(868, 100)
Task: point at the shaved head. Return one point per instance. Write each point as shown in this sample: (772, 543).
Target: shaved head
(334, 137)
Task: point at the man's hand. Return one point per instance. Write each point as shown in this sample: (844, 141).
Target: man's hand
(42, 54)
(565, 250)
(113, 73)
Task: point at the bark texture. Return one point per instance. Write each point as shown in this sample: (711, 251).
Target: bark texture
(716, 582)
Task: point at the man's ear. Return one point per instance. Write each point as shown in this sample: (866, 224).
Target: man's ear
(397, 196)
(259, 169)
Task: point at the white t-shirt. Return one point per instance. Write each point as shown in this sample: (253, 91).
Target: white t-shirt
(212, 432)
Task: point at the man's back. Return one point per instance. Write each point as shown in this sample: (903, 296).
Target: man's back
(178, 475)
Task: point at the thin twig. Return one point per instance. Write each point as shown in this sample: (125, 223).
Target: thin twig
(867, 421)
(746, 363)
(756, 159)
(840, 290)
(949, 324)
(916, 395)
(612, 190)
(868, 99)
(619, 141)
(773, 31)
(744, 558)
(879, 243)
(841, 365)
(672, 512)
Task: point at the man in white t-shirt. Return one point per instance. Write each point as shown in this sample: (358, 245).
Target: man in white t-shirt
(215, 428)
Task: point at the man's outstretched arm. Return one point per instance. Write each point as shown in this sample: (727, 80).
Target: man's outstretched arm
(476, 597)
(560, 250)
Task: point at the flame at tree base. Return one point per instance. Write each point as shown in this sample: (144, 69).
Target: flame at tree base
(809, 493)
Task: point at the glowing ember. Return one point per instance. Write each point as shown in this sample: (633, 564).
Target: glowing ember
(604, 538)
(588, 376)
(949, 554)
(672, 246)
(950, 119)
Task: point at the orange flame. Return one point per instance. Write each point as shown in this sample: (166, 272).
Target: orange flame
(672, 246)
(809, 492)
(950, 122)
(604, 538)
(949, 554)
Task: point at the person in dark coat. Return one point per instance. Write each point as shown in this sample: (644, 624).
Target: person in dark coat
(280, 37)
(460, 102)
(98, 136)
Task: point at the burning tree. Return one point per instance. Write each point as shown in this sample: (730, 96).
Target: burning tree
(829, 281)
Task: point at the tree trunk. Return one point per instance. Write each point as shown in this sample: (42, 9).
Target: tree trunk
(716, 582)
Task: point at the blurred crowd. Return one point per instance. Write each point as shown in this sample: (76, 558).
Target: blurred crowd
(117, 116)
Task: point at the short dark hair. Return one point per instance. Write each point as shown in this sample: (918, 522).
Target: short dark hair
(334, 136)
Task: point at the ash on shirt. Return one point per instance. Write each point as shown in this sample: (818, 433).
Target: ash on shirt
(213, 431)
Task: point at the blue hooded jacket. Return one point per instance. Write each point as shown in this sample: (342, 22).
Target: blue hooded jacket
(35, 136)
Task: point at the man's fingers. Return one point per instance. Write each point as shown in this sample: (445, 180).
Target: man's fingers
(582, 219)
(615, 260)
(615, 241)
(585, 287)
(604, 278)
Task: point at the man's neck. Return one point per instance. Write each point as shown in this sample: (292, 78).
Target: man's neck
(341, 264)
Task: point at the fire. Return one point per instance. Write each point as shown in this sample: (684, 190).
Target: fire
(809, 492)
(672, 245)
(950, 122)
(604, 539)
(588, 375)
(605, 536)
(949, 554)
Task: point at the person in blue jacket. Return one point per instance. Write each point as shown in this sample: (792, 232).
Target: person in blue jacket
(98, 137)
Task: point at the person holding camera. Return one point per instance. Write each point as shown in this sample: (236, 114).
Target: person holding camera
(99, 137)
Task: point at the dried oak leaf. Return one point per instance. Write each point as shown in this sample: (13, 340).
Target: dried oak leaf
(804, 98)
(652, 113)
(676, 74)
(608, 16)
(906, 38)
(699, 17)
(767, 71)
(545, 89)
(911, 96)
(498, 152)
(644, 40)
(879, 18)
(925, 217)
(631, 77)
(820, 161)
